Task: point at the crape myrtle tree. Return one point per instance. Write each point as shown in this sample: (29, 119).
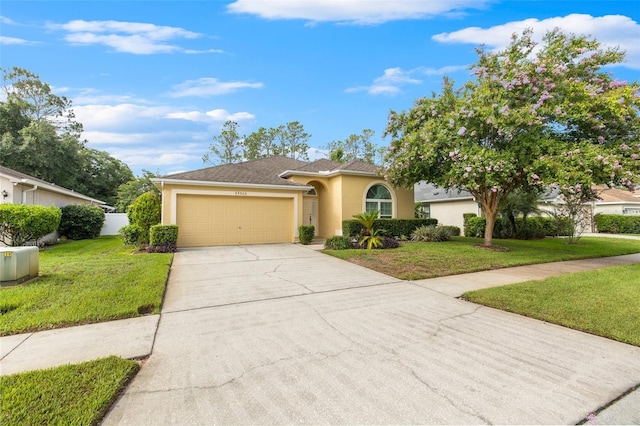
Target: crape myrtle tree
(533, 115)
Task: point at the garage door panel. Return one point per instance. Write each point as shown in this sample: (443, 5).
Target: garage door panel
(221, 220)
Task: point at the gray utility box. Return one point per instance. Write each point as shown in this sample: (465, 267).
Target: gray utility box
(18, 264)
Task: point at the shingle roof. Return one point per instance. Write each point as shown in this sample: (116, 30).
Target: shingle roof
(262, 171)
(265, 171)
(18, 175)
(424, 192)
(614, 195)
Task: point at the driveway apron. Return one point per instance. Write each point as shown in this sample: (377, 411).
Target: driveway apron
(280, 334)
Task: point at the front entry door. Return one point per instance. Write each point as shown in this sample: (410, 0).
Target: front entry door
(310, 212)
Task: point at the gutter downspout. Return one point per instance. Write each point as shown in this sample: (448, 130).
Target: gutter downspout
(162, 216)
(24, 194)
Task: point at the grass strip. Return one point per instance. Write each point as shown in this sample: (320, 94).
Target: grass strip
(77, 394)
(415, 261)
(84, 282)
(605, 302)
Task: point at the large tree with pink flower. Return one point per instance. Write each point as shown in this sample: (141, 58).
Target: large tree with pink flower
(533, 114)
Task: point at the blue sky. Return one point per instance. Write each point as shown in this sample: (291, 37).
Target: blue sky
(153, 81)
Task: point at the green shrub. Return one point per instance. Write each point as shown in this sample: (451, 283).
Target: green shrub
(535, 227)
(132, 235)
(21, 223)
(163, 234)
(391, 227)
(431, 234)
(306, 233)
(466, 217)
(338, 242)
(145, 212)
(81, 222)
(453, 231)
(617, 223)
(389, 243)
(163, 239)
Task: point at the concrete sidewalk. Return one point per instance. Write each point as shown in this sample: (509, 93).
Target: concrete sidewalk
(348, 325)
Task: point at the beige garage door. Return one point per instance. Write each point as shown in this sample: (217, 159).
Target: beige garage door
(205, 220)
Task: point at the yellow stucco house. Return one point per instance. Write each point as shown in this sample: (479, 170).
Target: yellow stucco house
(266, 200)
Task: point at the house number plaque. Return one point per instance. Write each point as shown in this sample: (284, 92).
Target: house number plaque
(241, 193)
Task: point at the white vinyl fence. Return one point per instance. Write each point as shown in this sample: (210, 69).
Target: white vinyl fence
(113, 222)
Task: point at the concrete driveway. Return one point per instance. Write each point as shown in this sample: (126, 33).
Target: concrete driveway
(280, 334)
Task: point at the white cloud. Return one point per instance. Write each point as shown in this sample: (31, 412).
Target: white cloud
(6, 21)
(450, 69)
(353, 11)
(610, 30)
(213, 116)
(128, 37)
(13, 40)
(208, 86)
(387, 84)
(127, 115)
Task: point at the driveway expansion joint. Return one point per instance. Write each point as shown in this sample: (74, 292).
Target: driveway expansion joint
(17, 346)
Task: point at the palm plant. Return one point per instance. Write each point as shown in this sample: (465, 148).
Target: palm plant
(371, 238)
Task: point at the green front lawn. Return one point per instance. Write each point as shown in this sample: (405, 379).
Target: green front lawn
(85, 282)
(70, 395)
(415, 261)
(605, 301)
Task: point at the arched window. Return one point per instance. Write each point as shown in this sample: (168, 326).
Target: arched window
(379, 198)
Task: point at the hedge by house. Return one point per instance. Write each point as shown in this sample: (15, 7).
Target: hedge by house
(163, 238)
(535, 227)
(617, 223)
(81, 222)
(20, 223)
(391, 227)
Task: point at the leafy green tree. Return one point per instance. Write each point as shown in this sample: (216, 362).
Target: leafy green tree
(40, 137)
(293, 141)
(356, 147)
(532, 116)
(261, 144)
(522, 202)
(103, 175)
(226, 147)
(129, 191)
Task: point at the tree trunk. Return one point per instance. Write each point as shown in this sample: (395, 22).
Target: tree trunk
(490, 214)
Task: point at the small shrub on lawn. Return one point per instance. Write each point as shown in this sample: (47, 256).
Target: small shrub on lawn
(145, 212)
(390, 243)
(431, 234)
(132, 235)
(306, 233)
(453, 231)
(20, 223)
(81, 222)
(163, 239)
(338, 242)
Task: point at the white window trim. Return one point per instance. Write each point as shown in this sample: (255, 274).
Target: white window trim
(394, 200)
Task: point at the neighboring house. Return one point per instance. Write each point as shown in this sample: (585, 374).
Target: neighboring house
(20, 188)
(266, 200)
(446, 205)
